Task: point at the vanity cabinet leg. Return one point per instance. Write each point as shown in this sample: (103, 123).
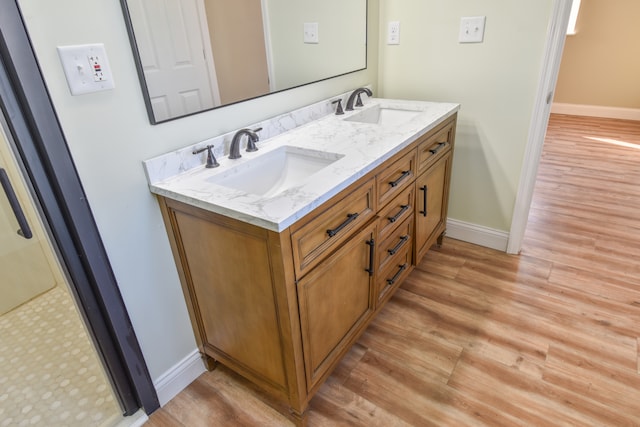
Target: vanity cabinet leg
(440, 239)
(299, 420)
(209, 362)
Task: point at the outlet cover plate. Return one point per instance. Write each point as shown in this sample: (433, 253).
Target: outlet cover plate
(393, 34)
(86, 68)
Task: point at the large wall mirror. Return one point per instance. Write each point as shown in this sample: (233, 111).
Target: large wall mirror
(195, 55)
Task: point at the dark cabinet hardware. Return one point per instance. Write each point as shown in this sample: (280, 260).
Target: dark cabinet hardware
(401, 268)
(24, 230)
(403, 209)
(404, 175)
(350, 218)
(424, 201)
(403, 240)
(440, 145)
(372, 244)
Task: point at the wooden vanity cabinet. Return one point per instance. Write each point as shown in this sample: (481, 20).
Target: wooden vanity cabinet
(282, 308)
(435, 155)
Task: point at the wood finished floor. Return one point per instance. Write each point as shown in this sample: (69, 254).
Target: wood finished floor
(476, 337)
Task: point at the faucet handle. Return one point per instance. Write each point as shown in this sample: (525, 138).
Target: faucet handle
(251, 140)
(339, 110)
(211, 158)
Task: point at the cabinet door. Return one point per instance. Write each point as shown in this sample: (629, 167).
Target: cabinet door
(336, 300)
(432, 193)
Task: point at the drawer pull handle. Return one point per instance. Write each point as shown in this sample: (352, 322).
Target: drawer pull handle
(438, 148)
(403, 240)
(424, 189)
(397, 182)
(394, 218)
(372, 244)
(401, 268)
(350, 218)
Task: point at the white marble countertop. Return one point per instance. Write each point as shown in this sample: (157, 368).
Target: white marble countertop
(363, 147)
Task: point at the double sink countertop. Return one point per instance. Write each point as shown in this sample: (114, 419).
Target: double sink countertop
(322, 158)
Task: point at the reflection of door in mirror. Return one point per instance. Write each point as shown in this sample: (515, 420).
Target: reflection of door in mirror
(175, 56)
(238, 40)
(257, 47)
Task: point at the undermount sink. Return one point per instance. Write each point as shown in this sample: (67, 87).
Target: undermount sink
(271, 173)
(384, 116)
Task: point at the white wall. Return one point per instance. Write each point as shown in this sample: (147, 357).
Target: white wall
(109, 136)
(495, 83)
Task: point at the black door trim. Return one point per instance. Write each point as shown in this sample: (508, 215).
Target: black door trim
(47, 162)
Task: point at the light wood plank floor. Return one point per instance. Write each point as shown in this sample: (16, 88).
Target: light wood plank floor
(476, 337)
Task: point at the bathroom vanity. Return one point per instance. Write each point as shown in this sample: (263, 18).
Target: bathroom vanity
(281, 281)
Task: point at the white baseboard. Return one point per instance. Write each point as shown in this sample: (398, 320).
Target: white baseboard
(596, 111)
(477, 234)
(176, 379)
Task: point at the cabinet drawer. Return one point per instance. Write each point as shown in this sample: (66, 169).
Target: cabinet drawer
(315, 238)
(397, 242)
(392, 215)
(394, 272)
(436, 145)
(395, 178)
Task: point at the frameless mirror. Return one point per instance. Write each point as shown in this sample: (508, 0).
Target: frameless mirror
(196, 55)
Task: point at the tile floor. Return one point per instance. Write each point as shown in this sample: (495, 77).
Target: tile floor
(49, 372)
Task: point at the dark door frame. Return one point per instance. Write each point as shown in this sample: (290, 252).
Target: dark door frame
(46, 161)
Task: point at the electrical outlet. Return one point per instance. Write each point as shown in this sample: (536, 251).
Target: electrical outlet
(393, 35)
(86, 68)
(472, 29)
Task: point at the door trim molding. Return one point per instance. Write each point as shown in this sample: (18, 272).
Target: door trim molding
(540, 119)
(46, 161)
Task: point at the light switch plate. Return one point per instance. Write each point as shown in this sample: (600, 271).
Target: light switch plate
(311, 32)
(86, 68)
(472, 29)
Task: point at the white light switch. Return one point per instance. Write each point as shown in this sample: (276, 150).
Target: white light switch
(86, 68)
(311, 32)
(393, 33)
(472, 29)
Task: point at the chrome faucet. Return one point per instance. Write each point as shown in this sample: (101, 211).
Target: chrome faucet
(234, 150)
(356, 94)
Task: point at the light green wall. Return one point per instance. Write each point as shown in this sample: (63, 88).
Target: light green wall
(109, 136)
(495, 82)
(342, 37)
